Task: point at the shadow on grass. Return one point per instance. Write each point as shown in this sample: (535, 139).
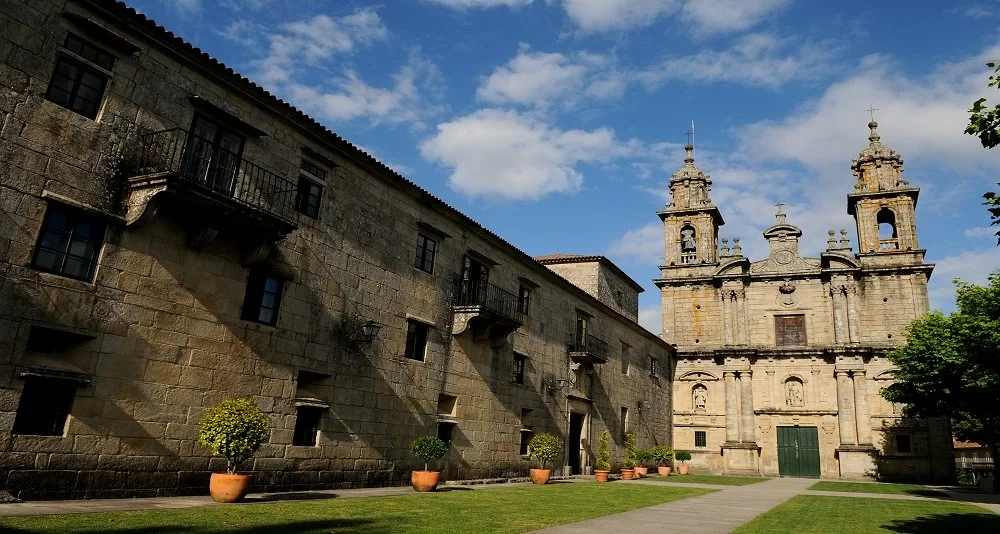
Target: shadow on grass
(978, 522)
(322, 526)
(294, 496)
(450, 488)
(926, 493)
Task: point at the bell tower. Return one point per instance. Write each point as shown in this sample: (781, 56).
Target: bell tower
(690, 221)
(883, 205)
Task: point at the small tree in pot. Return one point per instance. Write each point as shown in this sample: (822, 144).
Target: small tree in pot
(546, 448)
(683, 457)
(642, 459)
(628, 472)
(428, 449)
(602, 467)
(662, 454)
(234, 428)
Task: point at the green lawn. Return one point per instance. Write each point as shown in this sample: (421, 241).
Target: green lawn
(709, 479)
(849, 515)
(879, 487)
(489, 510)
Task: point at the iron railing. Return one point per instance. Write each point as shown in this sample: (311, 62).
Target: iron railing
(588, 343)
(216, 172)
(491, 297)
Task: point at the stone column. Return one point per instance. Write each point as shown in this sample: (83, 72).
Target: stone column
(746, 403)
(845, 408)
(727, 311)
(853, 319)
(861, 408)
(742, 334)
(732, 423)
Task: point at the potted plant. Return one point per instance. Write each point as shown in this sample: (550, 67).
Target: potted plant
(642, 459)
(683, 457)
(234, 428)
(428, 449)
(602, 467)
(546, 448)
(662, 454)
(628, 471)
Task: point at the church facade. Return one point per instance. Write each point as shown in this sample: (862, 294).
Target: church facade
(780, 361)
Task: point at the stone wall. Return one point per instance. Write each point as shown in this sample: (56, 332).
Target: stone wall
(162, 320)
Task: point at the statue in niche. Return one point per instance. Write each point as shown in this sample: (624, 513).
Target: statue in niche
(700, 397)
(794, 393)
(688, 243)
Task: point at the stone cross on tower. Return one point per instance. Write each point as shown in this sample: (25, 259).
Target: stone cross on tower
(871, 111)
(781, 214)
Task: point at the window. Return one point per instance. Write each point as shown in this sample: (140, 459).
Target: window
(45, 404)
(887, 236)
(426, 249)
(526, 436)
(310, 191)
(447, 405)
(523, 299)
(700, 438)
(307, 420)
(445, 429)
(689, 244)
(652, 366)
(69, 243)
(213, 155)
(790, 330)
(79, 85)
(626, 358)
(263, 296)
(518, 377)
(903, 443)
(416, 340)
(624, 422)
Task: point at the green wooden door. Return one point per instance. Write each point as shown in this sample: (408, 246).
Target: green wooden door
(798, 451)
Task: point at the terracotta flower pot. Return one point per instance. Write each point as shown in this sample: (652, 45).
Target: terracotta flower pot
(601, 476)
(682, 469)
(425, 480)
(225, 487)
(540, 476)
(641, 472)
(663, 470)
(628, 474)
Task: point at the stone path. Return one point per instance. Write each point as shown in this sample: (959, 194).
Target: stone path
(717, 512)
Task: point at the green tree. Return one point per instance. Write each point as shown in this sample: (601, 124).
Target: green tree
(984, 123)
(950, 366)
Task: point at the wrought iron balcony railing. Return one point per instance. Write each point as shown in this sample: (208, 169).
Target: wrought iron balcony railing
(215, 172)
(597, 348)
(490, 297)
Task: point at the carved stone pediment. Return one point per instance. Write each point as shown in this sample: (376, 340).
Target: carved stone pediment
(785, 262)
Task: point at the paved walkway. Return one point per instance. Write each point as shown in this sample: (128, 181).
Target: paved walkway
(717, 512)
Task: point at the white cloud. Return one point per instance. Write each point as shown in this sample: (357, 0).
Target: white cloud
(467, 4)
(758, 59)
(981, 231)
(644, 244)
(516, 156)
(716, 16)
(651, 318)
(605, 15)
(307, 42)
(970, 266)
(242, 31)
(532, 78)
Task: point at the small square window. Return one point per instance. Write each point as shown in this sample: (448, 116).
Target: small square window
(700, 438)
(903, 443)
(314, 170)
(790, 330)
(426, 249)
(523, 299)
(75, 85)
(416, 340)
(307, 420)
(262, 298)
(444, 431)
(526, 436)
(69, 243)
(44, 407)
(518, 377)
(309, 196)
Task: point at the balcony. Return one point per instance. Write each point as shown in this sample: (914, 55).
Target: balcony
(587, 349)
(212, 187)
(888, 244)
(490, 311)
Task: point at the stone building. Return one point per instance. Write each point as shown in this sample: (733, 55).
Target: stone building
(172, 235)
(780, 361)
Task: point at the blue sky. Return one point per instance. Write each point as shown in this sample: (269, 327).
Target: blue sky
(557, 123)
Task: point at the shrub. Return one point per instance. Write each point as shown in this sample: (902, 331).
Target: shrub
(545, 447)
(428, 449)
(629, 451)
(683, 456)
(603, 453)
(643, 457)
(234, 428)
(662, 454)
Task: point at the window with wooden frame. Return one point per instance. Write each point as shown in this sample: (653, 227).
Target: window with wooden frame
(262, 298)
(518, 372)
(700, 438)
(790, 330)
(69, 243)
(416, 340)
(80, 76)
(426, 250)
(523, 299)
(44, 406)
(310, 190)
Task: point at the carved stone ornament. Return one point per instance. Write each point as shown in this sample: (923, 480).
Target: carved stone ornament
(793, 393)
(787, 287)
